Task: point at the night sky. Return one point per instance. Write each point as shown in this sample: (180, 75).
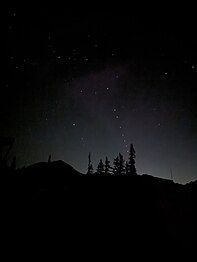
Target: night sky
(79, 80)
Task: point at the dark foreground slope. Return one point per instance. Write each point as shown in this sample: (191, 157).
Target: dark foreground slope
(123, 212)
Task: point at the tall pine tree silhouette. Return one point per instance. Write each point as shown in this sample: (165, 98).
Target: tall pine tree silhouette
(90, 167)
(119, 168)
(121, 165)
(131, 164)
(116, 166)
(127, 168)
(101, 168)
(108, 168)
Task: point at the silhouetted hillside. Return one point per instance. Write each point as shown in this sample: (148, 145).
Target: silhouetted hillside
(146, 210)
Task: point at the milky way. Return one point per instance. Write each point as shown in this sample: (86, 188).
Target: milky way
(95, 83)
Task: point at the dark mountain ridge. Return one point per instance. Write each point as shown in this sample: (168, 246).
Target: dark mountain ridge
(149, 210)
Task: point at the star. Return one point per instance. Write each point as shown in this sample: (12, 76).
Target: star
(90, 87)
(117, 76)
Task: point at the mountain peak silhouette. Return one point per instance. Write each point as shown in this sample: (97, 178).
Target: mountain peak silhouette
(59, 166)
(150, 208)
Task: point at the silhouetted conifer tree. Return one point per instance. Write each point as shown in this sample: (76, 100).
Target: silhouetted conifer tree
(119, 168)
(116, 166)
(127, 168)
(131, 164)
(101, 168)
(90, 167)
(108, 168)
(121, 165)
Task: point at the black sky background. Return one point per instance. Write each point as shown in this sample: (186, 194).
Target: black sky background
(78, 79)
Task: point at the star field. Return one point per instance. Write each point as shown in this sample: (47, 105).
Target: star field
(96, 81)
